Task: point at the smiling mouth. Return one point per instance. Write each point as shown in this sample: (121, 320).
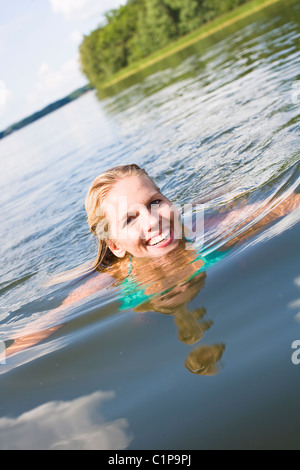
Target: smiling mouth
(161, 240)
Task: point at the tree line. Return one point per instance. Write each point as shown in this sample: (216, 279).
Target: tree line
(135, 30)
(43, 112)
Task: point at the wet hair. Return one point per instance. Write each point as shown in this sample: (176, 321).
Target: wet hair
(95, 207)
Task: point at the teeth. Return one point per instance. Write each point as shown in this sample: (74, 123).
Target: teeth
(159, 238)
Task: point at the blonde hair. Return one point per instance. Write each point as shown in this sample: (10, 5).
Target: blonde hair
(95, 209)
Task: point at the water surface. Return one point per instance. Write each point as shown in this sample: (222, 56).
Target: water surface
(217, 123)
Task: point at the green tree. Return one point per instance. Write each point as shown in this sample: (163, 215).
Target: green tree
(107, 49)
(214, 8)
(155, 27)
(90, 64)
(140, 27)
(188, 13)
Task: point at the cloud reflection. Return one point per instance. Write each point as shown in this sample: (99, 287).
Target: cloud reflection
(65, 425)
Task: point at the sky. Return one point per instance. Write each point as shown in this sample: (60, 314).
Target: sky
(39, 58)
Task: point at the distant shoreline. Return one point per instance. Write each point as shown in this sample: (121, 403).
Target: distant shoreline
(43, 112)
(203, 32)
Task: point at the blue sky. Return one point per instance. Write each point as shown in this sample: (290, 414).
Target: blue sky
(39, 42)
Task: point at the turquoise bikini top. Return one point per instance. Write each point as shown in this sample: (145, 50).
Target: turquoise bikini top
(133, 294)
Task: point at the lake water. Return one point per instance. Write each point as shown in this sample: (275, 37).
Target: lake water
(219, 123)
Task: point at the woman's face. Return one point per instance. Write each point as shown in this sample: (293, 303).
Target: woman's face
(142, 222)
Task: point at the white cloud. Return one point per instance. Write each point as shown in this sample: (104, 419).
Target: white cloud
(5, 95)
(69, 425)
(76, 37)
(53, 84)
(83, 9)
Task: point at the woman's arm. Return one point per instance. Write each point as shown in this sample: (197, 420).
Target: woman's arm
(290, 204)
(39, 330)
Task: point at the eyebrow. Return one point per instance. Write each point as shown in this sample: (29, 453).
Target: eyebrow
(125, 217)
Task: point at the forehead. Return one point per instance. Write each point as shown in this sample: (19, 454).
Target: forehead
(132, 189)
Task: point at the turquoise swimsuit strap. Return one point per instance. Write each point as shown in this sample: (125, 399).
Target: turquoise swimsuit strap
(129, 266)
(132, 293)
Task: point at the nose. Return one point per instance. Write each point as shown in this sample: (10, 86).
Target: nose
(151, 220)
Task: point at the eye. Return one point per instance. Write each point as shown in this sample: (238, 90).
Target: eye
(129, 220)
(155, 202)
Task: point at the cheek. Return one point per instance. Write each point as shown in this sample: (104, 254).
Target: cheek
(132, 234)
(113, 232)
(169, 213)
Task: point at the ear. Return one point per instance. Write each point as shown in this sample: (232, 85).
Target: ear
(116, 249)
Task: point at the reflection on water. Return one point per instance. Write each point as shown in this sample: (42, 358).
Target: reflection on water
(204, 359)
(173, 293)
(71, 425)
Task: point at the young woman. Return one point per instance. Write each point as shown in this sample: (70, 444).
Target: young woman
(146, 250)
